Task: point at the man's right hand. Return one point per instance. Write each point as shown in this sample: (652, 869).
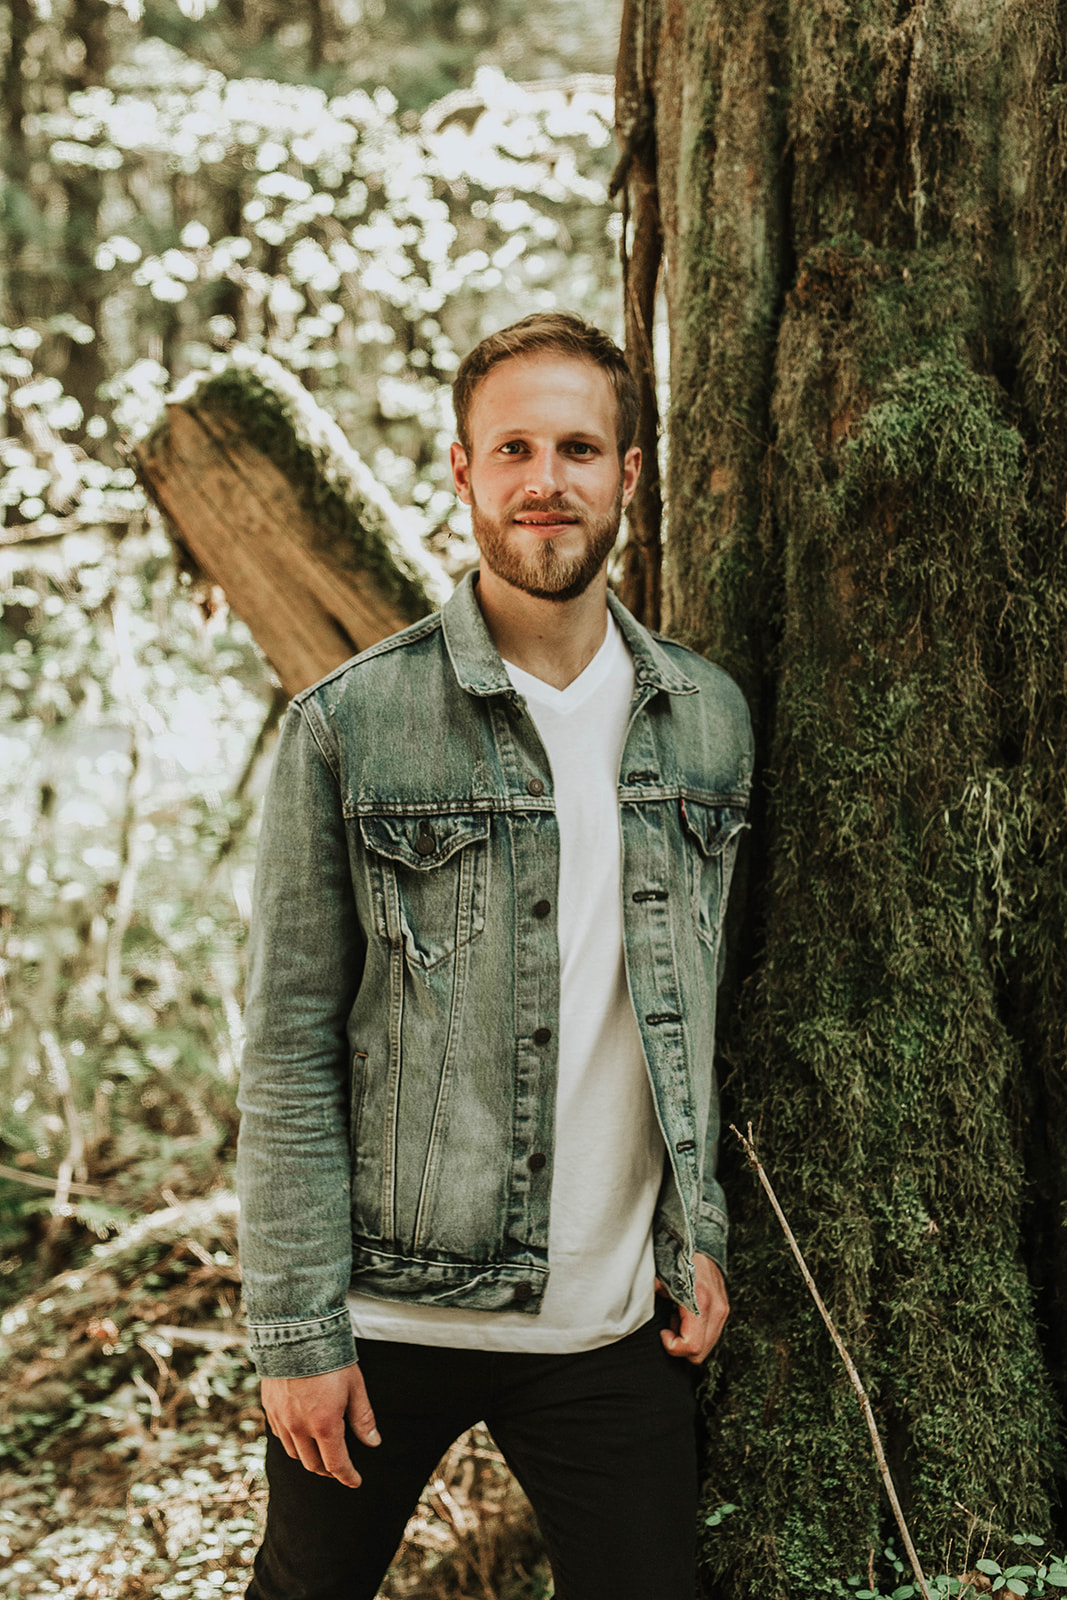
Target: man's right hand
(308, 1416)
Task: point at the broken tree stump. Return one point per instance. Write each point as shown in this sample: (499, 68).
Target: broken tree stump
(267, 498)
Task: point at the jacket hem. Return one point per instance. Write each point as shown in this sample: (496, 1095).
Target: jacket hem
(471, 1285)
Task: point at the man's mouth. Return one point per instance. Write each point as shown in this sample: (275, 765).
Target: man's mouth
(545, 521)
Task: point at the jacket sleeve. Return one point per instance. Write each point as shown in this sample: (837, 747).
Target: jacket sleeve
(712, 1222)
(306, 955)
(712, 1225)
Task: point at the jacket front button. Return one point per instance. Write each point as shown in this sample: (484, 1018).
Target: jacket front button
(536, 1161)
(542, 1035)
(542, 908)
(535, 786)
(523, 1292)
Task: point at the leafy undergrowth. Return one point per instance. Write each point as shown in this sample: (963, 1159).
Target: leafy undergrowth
(131, 1440)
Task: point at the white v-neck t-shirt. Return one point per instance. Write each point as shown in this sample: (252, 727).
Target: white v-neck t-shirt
(608, 1149)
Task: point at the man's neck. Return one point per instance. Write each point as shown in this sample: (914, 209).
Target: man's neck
(552, 640)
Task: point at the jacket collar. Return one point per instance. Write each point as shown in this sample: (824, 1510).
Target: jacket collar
(479, 669)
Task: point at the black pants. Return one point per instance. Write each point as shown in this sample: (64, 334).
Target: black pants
(603, 1443)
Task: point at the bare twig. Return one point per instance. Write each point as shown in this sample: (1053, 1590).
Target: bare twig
(243, 795)
(38, 1180)
(74, 1160)
(205, 1338)
(883, 1465)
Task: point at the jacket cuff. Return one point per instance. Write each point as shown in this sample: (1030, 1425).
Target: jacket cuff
(711, 1233)
(304, 1349)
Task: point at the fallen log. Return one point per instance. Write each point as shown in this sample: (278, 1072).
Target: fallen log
(265, 496)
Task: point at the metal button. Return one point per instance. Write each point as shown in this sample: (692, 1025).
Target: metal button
(523, 1292)
(536, 1161)
(535, 786)
(542, 908)
(426, 843)
(542, 1035)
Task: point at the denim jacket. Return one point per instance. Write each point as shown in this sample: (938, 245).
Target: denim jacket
(403, 990)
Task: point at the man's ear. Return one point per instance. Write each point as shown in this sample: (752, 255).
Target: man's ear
(461, 472)
(631, 471)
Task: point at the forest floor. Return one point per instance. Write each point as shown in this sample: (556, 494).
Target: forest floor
(131, 1439)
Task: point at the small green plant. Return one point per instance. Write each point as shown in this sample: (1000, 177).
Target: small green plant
(1042, 1576)
(717, 1516)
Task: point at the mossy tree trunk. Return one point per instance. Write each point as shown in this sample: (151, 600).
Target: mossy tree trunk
(864, 213)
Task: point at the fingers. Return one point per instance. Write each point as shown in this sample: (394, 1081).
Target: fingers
(695, 1339)
(316, 1438)
(308, 1417)
(693, 1335)
(689, 1340)
(360, 1412)
(335, 1459)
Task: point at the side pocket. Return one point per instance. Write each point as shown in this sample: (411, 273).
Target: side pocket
(355, 1104)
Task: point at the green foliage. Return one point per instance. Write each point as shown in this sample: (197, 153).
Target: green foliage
(1040, 1576)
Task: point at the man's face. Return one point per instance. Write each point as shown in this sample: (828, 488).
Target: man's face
(543, 477)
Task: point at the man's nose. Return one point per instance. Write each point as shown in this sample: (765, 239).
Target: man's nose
(544, 474)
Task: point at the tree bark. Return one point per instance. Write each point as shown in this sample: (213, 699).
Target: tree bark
(863, 215)
(640, 587)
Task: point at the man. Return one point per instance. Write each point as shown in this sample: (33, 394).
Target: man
(479, 1111)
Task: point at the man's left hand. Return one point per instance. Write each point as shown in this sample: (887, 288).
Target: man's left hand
(695, 1336)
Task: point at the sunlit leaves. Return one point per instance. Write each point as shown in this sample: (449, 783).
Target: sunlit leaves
(412, 219)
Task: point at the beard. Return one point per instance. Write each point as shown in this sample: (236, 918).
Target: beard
(545, 572)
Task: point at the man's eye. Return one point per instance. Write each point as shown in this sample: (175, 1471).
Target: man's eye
(512, 447)
(580, 448)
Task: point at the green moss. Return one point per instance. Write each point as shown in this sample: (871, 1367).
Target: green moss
(878, 1048)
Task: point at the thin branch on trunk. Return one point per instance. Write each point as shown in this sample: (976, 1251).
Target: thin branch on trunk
(857, 1383)
(139, 714)
(129, 872)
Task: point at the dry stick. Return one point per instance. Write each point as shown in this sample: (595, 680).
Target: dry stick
(38, 1180)
(857, 1384)
(74, 1160)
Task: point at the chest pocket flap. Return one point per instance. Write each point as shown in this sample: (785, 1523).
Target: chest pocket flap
(422, 842)
(711, 833)
(712, 827)
(428, 879)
